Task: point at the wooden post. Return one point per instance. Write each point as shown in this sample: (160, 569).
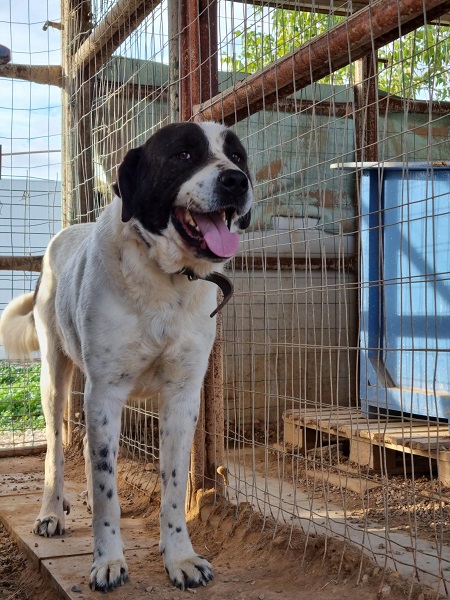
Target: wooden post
(77, 167)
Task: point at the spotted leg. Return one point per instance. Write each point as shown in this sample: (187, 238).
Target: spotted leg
(178, 418)
(103, 410)
(56, 373)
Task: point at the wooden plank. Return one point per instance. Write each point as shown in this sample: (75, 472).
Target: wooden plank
(23, 450)
(122, 19)
(426, 443)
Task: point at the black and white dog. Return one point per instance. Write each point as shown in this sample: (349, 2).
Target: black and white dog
(125, 300)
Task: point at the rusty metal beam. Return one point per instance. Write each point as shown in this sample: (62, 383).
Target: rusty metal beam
(44, 74)
(139, 91)
(367, 30)
(326, 7)
(417, 107)
(285, 263)
(121, 20)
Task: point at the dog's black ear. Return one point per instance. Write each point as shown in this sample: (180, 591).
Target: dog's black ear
(244, 221)
(125, 187)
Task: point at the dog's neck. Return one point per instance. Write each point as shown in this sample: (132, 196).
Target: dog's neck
(216, 277)
(219, 279)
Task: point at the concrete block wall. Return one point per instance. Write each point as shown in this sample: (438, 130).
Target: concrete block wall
(289, 337)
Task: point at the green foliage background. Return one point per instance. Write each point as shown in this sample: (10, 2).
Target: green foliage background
(414, 66)
(20, 397)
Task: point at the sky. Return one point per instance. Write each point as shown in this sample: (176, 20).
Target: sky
(30, 114)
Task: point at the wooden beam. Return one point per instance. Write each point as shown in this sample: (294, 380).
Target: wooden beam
(371, 28)
(21, 263)
(44, 74)
(121, 20)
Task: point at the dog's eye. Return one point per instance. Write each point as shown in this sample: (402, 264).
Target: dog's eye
(184, 155)
(236, 157)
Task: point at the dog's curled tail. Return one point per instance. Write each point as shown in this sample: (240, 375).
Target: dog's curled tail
(17, 330)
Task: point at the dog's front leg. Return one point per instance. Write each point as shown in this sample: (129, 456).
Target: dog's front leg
(103, 410)
(178, 420)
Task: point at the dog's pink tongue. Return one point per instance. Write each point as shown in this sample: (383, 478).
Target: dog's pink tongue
(216, 234)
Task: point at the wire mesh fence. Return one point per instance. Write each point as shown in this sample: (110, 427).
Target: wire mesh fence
(30, 201)
(336, 345)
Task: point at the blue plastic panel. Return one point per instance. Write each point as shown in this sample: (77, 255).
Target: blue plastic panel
(405, 300)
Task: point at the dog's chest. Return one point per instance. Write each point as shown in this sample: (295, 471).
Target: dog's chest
(166, 343)
(170, 354)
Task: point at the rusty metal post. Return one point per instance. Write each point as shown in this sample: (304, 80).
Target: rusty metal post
(198, 82)
(174, 60)
(214, 410)
(198, 54)
(189, 58)
(209, 70)
(368, 29)
(366, 108)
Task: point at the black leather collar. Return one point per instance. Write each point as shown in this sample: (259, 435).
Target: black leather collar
(220, 280)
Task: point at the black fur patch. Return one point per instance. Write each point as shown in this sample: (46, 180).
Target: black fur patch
(151, 176)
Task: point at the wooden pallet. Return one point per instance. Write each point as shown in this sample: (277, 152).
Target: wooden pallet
(376, 443)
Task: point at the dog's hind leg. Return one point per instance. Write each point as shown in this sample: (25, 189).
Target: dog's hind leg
(103, 410)
(56, 374)
(178, 419)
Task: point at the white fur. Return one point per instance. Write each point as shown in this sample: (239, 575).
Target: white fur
(17, 327)
(111, 302)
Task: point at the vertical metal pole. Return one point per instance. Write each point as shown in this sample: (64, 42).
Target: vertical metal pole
(366, 108)
(174, 60)
(214, 383)
(199, 82)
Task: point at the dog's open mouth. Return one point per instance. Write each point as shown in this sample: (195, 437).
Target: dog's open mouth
(207, 232)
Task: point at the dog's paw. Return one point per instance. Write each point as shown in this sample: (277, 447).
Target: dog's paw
(190, 572)
(86, 501)
(48, 526)
(108, 575)
(66, 506)
(51, 520)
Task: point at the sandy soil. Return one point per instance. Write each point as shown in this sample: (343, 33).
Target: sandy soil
(252, 559)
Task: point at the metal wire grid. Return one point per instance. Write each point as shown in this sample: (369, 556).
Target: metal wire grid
(30, 200)
(290, 338)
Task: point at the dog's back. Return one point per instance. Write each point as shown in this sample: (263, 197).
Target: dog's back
(17, 324)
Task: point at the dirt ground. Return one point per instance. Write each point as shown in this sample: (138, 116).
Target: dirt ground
(418, 503)
(252, 559)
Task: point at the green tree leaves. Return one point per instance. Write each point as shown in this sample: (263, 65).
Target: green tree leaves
(414, 66)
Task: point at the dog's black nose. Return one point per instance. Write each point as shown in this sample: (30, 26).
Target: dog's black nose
(234, 181)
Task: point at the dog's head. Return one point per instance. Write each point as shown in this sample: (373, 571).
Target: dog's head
(188, 190)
